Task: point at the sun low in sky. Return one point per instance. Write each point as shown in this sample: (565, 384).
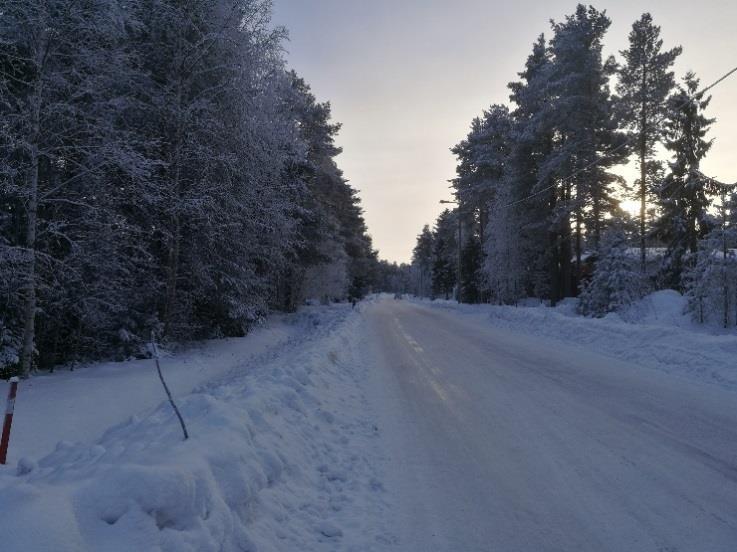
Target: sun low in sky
(406, 78)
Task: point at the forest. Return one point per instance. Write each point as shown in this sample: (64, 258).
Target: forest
(162, 172)
(539, 188)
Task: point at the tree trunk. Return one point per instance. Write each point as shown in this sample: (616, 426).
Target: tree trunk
(566, 250)
(643, 175)
(555, 289)
(171, 281)
(579, 245)
(725, 251)
(29, 308)
(597, 220)
(643, 208)
(174, 251)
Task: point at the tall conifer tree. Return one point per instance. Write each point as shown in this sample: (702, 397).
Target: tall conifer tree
(645, 82)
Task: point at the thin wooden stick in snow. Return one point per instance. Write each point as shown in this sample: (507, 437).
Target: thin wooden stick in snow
(166, 387)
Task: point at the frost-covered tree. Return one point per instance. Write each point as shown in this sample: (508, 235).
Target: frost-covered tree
(616, 281)
(529, 207)
(422, 262)
(711, 283)
(63, 78)
(445, 254)
(481, 160)
(505, 271)
(330, 210)
(581, 112)
(160, 169)
(645, 82)
(212, 114)
(684, 196)
(482, 157)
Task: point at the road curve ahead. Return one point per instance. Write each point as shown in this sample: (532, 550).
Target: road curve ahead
(502, 442)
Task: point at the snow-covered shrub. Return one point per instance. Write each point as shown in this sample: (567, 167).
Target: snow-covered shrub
(616, 281)
(711, 283)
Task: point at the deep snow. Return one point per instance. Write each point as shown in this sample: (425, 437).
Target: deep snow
(280, 456)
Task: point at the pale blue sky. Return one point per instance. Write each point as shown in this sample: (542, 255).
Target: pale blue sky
(405, 77)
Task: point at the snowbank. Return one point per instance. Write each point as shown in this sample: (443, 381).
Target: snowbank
(81, 405)
(661, 308)
(279, 459)
(654, 333)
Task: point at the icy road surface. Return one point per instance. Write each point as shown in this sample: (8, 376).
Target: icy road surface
(502, 442)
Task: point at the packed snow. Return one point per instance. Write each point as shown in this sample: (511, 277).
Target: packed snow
(506, 439)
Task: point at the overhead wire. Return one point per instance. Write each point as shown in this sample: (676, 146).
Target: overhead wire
(621, 146)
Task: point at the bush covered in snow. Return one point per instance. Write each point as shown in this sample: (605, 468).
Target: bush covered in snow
(711, 284)
(616, 282)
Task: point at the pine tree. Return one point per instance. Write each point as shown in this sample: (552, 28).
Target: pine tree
(533, 200)
(422, 262)
(645, 82)
(482, 158)
(586, 132)
(445, 254)
(472, 274)
(330, 208)
(684, 196)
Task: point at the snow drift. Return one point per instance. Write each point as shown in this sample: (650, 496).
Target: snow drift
(277, 460)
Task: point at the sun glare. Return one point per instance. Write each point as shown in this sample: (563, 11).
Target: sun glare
(631, 206)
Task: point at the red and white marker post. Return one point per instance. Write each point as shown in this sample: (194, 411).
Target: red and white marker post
(8, 419)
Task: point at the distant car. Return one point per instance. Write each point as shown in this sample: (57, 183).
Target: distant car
(398, 296)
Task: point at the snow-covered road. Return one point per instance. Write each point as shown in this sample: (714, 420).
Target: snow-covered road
(509, 442)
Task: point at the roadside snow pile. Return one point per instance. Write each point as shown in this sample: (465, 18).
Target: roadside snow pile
(666, 307)
(81, 405)
(280, 458)
(655, 333)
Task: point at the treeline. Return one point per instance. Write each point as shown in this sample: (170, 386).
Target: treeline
(538, 201)
(161, 169)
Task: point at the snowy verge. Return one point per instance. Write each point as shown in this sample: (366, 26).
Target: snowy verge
(80, 405)
(280, 458)
(653, 333)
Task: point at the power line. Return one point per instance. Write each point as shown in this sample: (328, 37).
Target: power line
(627, 142)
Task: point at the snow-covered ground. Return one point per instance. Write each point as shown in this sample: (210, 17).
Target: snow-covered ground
(81, 405)
(280, 454)
(653, 333)
(400, 425)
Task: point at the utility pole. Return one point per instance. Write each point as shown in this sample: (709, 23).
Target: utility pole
(460, 246)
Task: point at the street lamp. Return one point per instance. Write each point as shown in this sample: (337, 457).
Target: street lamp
(460, 230)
